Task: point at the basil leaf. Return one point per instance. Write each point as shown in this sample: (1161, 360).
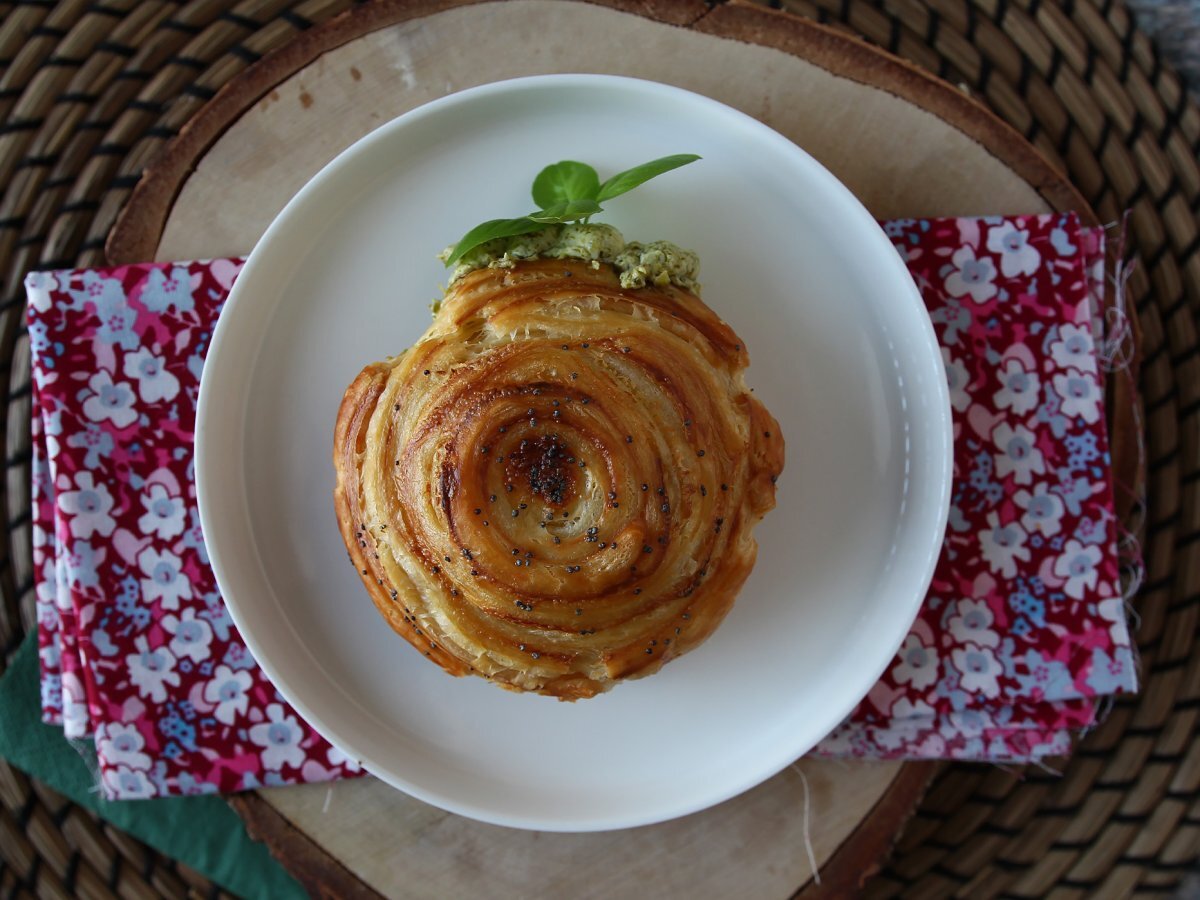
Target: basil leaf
(565, 181)
(631, 178)
(490, 230)
(567, 211)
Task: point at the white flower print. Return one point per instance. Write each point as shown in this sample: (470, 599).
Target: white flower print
(155, 383)
(338, 757)
(125, 783)
(38, 287)
(956, 379)
(1012, 243)
(1043, 509)
(164, 580)
(88, 507)
(51, 655)
(1003, 546)
(966, 723)
(972, 624)
(979, 669)
(1113, 610)
(1018, 456)
(227, 690)
(48, 621)
(905, 708)
(75, 718)
(1020, 388)
(120, 744)
(917, 665)
(152, 670)
(80, 564)
(190, 636)
(1074, 348)
(39, 537)
(1080, 395)
(110, 402)
(163, 290)
(1077, 565)
(846, 740)
(908, 720)
(44, 377)
(164, 516)
(971, 276)
(280, 737)
(95, 440)
(52, 427)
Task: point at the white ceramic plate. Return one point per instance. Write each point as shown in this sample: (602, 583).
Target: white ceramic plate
(843, 355)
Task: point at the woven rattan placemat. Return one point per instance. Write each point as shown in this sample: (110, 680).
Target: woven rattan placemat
(90, 91)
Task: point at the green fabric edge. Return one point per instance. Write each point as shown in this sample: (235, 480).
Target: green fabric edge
(201, 832)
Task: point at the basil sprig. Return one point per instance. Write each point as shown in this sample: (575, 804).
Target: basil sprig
(566, 191)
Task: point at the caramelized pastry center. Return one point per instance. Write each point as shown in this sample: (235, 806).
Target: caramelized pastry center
(545, 465)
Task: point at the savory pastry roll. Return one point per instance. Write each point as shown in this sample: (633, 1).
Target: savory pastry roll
(556, 488)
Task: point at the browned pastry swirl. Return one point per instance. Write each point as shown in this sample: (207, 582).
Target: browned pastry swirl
(556, 487)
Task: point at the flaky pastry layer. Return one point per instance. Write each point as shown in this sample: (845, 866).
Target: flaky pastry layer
(556, 487)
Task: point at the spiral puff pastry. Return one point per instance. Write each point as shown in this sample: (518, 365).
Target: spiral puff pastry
(556, 487)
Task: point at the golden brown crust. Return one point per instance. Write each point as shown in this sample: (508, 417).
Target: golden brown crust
(556, 487)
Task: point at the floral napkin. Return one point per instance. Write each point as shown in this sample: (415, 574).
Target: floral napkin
(1022, 632)
(1024, 626)
(137, 648)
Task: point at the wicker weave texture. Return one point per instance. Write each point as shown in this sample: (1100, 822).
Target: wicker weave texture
(90, 92)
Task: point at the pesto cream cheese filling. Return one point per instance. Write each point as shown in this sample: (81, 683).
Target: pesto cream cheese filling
(657, 263)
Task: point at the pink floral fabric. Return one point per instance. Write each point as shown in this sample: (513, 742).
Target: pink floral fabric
(137, 649)
(1022, 632)
(1024, 625)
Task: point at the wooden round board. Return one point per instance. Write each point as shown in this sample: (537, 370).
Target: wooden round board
(905, 143)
